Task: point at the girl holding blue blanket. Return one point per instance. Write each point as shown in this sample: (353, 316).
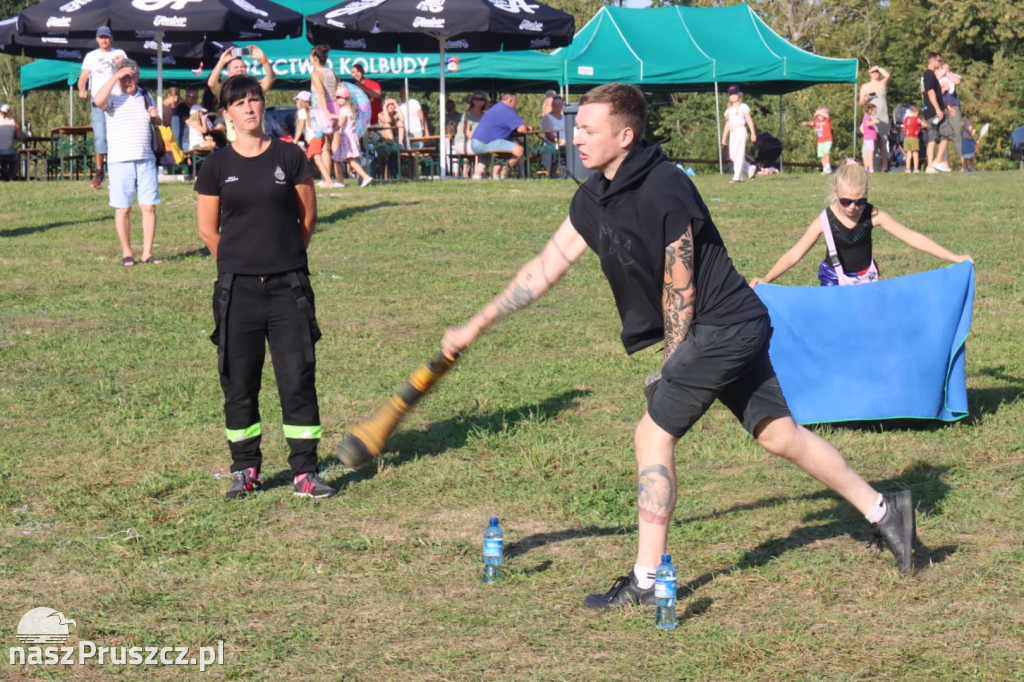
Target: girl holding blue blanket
(847, 224)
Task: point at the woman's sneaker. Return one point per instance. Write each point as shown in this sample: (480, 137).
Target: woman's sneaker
(311, 485)
(243, 482)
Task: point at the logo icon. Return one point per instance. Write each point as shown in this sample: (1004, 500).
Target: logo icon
(278, 173)
(452, 64)
(251, 9)
(158, 5)
(514, 6)
(44, 626)
(427, 22)
(74, 6)
(434, 6)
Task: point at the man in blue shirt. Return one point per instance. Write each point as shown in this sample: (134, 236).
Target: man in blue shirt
(494, 133)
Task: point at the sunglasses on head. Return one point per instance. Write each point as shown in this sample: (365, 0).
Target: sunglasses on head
(846, 203)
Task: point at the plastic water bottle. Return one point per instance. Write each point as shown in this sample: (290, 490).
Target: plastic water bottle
(665, 593)
(494, 542)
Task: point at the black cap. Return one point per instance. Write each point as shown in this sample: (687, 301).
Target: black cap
(735, 90)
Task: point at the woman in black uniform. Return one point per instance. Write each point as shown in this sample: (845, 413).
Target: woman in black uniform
(257, 212)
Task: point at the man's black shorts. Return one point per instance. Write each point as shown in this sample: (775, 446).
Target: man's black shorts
(729, 363)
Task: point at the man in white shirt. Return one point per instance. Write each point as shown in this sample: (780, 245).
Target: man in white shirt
(553, 126)
(415, 121)
(128, 110)
(97, 68)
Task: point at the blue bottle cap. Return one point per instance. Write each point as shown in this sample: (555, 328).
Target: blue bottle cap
(494, 520)
(666, 558)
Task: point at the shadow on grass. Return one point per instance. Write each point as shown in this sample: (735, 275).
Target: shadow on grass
(440, 437)
(201, 252)
(536, 540)
(349, 211)
(22, 231)
(985, 401)
(924, 479)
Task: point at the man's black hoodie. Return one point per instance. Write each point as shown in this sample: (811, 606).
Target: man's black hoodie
(630, 220)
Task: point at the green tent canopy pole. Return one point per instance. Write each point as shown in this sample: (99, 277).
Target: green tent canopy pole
(718, 125)
(853, 152)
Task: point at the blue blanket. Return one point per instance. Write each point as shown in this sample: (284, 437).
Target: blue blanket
(886, 350)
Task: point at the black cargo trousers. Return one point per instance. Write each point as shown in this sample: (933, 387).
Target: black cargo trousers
(251, 311)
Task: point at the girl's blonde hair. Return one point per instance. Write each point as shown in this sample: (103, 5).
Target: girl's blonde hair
(851, 177)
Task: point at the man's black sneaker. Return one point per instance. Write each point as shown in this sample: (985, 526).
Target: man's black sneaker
(624, 592)
(243, 482)
(898, 530)
(311, 485)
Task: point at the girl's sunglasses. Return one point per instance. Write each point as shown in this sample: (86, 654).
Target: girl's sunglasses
(846, 203)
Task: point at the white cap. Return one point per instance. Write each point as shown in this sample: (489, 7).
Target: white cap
(5, 108)
(197, 107)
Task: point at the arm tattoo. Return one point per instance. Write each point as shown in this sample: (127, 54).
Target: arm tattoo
(560, 252)
(679, 294)
(515, 297)
(656, 494)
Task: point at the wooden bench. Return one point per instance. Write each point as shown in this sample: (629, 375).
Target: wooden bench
(29, 160)
(496, 159)
(196, 158)
(457, 162)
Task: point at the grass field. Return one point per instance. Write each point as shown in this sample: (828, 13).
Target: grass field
(112, 463)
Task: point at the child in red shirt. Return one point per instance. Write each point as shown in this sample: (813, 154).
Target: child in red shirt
(823, 128)
(911, 139)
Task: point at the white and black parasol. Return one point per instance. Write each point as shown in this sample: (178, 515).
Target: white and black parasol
(413, 26)
(160, 20)
(182, 54)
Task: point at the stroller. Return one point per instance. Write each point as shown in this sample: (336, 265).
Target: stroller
(897, 157)
(768, 156)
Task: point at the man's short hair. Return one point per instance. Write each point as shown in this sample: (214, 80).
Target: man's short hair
(508, 94)
(126, 63)
(239, 87)
(932, 55)
(626, 103)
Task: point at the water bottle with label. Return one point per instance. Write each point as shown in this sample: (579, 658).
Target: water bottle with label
(494, 541)
(665, 593)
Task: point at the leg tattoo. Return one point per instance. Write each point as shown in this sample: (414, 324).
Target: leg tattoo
(656, 494)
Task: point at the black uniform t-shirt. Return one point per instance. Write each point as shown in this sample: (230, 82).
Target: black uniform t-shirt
(930, 81)
(259, 210)
(629, 221)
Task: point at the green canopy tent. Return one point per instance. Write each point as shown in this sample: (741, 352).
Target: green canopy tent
(694, 49)
(522, 71)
